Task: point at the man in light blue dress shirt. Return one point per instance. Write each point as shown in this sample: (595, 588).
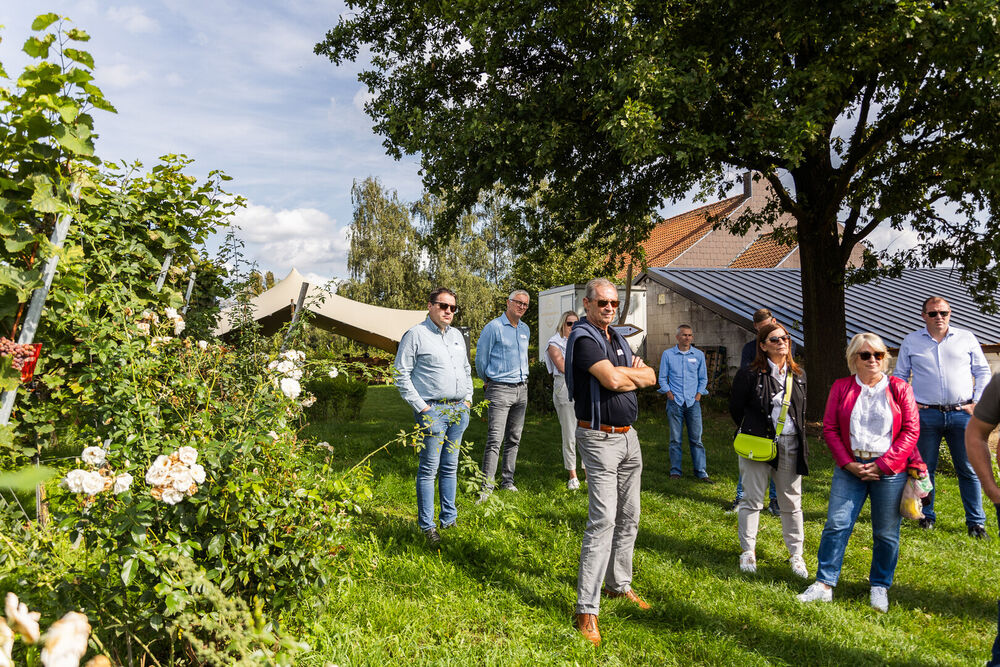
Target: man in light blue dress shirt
(949, 374)
(433, 375)
(502, 364)
(684, 379)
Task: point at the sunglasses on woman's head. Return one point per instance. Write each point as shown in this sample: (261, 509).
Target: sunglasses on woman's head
(865, 356)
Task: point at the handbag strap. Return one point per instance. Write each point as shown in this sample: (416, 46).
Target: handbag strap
(785, 400)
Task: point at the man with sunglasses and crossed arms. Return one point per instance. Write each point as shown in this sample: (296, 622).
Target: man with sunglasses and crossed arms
(602, 376)
(434, 376)
(502, 364)
(949, 374)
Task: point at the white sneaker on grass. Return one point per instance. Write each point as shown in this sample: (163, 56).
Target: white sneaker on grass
(880, 598)
(816, 592)
(573, 484)
(748, 562)
(799, 567)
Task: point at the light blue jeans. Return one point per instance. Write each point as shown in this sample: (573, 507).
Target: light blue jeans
(678, 416)
(935, 425)
(445, 423)
(847, 497)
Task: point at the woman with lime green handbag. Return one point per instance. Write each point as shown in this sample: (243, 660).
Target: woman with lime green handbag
(768, 404)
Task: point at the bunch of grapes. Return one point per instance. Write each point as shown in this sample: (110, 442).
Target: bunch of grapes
(20, 354)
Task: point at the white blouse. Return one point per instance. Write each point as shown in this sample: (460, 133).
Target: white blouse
(871, 418)
(780, 374)
(560, 343)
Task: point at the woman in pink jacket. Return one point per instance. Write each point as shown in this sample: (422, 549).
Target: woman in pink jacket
(871, 426)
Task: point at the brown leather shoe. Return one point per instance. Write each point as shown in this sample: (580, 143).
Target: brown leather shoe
(587, 625)
(628, 595)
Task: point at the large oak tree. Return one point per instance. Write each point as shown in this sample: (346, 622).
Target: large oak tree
(857, 112)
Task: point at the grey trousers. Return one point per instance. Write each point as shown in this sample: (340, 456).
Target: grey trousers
(614, 473)
(506, 419)
(567, 420)
(788, 484)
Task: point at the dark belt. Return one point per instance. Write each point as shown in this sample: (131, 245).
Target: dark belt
(954, 407)
(509, 384)
(604, 427)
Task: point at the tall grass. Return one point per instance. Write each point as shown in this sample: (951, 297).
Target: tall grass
(500, 588)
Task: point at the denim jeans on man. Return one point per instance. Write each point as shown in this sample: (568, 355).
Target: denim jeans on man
(506, 419)
(445, 422)
(847, 497)
(678, 416)
(934, 425)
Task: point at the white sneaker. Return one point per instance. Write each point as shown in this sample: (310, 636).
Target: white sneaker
(880, 598)
(799, 567)
(816, 592)
(748, 562)
(510, 487)
(573, 484)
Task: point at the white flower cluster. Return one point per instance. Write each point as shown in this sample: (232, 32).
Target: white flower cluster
(287, 372)
(176, 318)
(65, 641)
(92, 482)
(175, 477)
(148, 319)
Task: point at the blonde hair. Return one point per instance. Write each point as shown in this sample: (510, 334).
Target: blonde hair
(874, 342)
(562, 320)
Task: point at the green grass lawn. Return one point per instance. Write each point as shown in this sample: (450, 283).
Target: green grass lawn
(500, 589)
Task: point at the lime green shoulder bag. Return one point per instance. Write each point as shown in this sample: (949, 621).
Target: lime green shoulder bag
(756, 448)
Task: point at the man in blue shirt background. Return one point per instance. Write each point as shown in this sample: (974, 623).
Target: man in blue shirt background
(502, 364)
(433, 375)
(949, 372)
(684, 379)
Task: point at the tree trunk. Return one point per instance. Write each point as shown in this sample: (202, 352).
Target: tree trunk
(623, 313)
(824, 321)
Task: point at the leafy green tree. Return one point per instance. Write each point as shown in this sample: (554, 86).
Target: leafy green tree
(384, 259)
(873, 112)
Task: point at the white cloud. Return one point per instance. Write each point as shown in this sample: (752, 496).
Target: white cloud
(121, 75)
(362, 97)
(304, 238)
(175, 80)
(133, 19)
(886, 238)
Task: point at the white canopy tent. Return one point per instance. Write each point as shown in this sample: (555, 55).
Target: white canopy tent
(373, 325)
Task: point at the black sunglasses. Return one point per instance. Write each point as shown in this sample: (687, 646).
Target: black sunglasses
(446, 306)
(865, 356)
(935, 313)
(601, 303)
(778, 339)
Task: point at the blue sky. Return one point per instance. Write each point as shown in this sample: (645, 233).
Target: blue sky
(236, 86)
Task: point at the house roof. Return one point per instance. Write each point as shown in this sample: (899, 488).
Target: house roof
(889, 307)
(763, 253)
(674, 235)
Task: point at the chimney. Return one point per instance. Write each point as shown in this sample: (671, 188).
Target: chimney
(747, 185)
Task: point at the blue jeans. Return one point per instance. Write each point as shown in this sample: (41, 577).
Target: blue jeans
(847, 497)
(772, 493)
(934, 425)
(445, 424)
(678, 416)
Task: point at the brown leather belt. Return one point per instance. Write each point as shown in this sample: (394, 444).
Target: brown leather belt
(604, 427)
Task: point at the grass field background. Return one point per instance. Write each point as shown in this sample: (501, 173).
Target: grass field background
(500, 588)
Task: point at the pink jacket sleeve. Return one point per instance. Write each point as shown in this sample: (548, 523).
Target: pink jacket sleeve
(837, 442)
(904, 441)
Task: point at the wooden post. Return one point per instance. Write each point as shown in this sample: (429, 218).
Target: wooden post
(187, 296)
(295, 315)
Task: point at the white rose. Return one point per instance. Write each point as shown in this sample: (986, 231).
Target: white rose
(74, 480)
(94, 456)
(296, 374)
(273, 435)
(157, 473)
(6, 644)
(203, 345)
(171, 313)
(93, 483)
(66, 641)
(333, 372)
(197, 473)
(187, 455)
(285, 367)
(122, 483)
(308, 402)
(181, 478)
(178, 327)
(143, 328)
(20, 620)
(171, 496)
(291, 388)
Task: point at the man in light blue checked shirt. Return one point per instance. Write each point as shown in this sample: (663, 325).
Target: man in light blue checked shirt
(502, 364)
(433, 375)
(949, 373)
(684, 379)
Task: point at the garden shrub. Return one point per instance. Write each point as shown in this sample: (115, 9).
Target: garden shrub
(539, 389)
(338, 397)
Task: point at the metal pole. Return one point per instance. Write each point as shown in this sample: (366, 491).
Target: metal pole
(163, 270)
(295, 314)
(38, 297)
(187, 297)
